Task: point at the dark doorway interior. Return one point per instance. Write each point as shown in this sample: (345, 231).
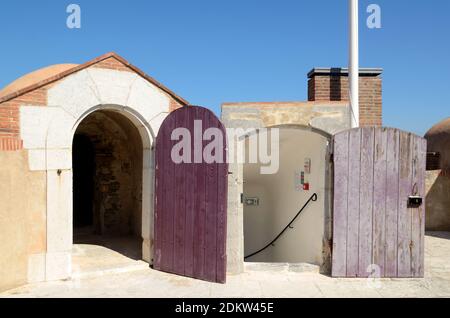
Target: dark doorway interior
(107, 191)
(83, 181)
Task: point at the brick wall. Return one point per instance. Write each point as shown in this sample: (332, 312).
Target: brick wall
(113, 64)
(332, 85)
(174, 104)
(10, 118)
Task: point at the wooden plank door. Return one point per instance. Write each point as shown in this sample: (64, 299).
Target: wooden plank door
(191, 198)
(376, 170)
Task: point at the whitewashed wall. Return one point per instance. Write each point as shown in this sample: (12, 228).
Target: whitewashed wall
(280, 202)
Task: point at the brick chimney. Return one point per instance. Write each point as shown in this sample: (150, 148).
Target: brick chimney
(331, 84)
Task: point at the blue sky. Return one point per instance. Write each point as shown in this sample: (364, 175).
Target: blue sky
(218, 51)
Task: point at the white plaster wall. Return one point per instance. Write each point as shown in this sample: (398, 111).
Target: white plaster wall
(280, 201)
(48, 133)
(258, 218)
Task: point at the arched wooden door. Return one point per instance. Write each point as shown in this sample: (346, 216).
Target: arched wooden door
(191, 195)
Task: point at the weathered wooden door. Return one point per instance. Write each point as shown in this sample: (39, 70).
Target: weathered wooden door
(376, 229)
(191, 196)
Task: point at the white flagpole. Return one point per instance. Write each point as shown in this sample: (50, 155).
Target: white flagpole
(353, 68)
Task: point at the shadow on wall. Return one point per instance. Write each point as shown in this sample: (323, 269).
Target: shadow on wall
(335, 85)
(438, 201)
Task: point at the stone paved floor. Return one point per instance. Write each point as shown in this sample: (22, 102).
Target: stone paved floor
(276, 283)
(99, 255)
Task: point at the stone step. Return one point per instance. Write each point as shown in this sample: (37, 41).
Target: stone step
(283, 267)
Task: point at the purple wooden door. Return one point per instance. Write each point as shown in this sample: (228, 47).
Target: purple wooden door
(191, 197)
(375, 230)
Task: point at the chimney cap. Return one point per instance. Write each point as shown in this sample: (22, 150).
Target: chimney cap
(343, 71)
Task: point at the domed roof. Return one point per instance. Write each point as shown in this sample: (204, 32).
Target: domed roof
(438, 140)
(35, 77)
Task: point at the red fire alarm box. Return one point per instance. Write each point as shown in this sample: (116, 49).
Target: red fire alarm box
(306, 186)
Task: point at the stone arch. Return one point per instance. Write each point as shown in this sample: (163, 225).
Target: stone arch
(293, 126)
(50, 144)
(321, 254)
(59, 188)
(49, 113)
(145, 129)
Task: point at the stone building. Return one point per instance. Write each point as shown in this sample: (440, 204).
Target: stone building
(438, 177)
(111, 112)
(67, 126)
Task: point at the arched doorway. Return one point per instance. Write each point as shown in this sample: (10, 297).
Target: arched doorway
(107, 189)
(272, 201)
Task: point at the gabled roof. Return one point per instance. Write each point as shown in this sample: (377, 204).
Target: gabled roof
(54, 73)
